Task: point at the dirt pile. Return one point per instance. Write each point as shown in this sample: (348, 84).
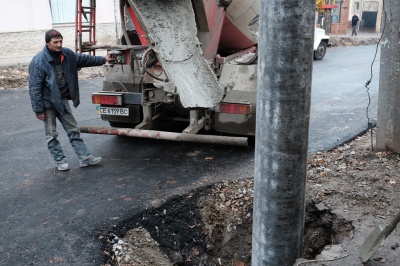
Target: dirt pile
(352, 41)
(12, 77)
(212, 226)
(175, 229)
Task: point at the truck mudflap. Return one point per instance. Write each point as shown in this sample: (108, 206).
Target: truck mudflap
(164, 135)
(171, 30)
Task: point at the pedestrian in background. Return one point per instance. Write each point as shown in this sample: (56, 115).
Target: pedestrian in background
(354, 21)
(53, 80)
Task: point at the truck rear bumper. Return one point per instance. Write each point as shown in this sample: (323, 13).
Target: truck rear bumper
(164, 135)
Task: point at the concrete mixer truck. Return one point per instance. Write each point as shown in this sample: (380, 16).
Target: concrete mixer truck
(193, 62)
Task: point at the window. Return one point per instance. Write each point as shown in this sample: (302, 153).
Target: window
(336, 13)
(357, 7)
(63, 11)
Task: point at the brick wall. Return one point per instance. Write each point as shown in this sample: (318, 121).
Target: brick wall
(341, 27)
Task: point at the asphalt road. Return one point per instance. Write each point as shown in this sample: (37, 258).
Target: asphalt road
(49, 217)
(339, 98)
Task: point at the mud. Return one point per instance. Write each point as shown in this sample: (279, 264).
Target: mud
(349, 190)
(12, 77)
(176, 226)
(208, 226)
(352, 41)
(171, 30)
(323, 228)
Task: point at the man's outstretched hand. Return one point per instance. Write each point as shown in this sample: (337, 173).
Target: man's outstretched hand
(109, 59)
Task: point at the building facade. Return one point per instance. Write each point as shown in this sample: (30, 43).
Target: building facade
(369, 13)
(31, 15)
(24, 22)
(337, 21)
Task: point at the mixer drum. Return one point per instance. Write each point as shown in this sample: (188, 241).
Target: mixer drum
(240, 28)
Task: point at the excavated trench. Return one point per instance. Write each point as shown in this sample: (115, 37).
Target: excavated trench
(208, 226)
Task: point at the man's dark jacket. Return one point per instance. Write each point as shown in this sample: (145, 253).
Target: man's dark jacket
(43, 88)
(354, 21)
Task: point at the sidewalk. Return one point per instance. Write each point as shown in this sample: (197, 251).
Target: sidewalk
(360, 35)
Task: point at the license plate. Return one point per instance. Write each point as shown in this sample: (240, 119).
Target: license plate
(112, 111)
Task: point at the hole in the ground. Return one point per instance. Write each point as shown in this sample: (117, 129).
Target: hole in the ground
(322, 228)
(208, 226)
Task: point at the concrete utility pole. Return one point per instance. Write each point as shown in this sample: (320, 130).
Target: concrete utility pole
(283, 106)
(388, 124)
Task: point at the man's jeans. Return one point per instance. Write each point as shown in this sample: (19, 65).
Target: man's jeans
(68, 121)
(354, 30)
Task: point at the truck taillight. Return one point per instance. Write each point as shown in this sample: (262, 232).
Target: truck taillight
(107, 99)
(234, 108)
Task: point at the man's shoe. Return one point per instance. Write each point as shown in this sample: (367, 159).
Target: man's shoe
(62, 166)
(90, 161)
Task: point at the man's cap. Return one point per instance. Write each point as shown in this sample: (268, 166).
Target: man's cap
(52, 34)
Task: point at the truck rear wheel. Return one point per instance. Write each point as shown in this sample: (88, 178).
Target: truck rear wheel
(320, 52)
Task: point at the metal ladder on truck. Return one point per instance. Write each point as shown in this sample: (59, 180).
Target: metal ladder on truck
(85, 26)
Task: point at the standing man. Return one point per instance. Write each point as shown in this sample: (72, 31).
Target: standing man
(354, 21)
(53, 80)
